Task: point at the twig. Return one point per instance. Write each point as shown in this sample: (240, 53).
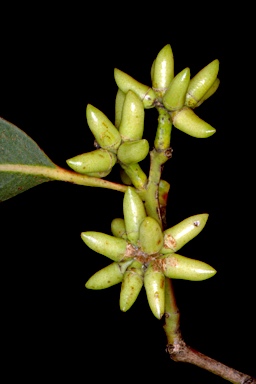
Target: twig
(179, 351)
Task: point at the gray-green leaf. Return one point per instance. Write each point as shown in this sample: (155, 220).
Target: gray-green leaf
(16, 147)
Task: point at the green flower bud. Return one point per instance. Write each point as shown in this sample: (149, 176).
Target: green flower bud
(131, 285)
(180, 267)
(187, 121)
(100, 160)
(118, 228)
(134, 213)
(163, 70)
(124, 177)
(132, 120)
(112, 247)
(174, 97)
(106, 134)
(136, 175)
(152, 70)
(201, 83)
(180, 234)
(133, 151)
(150, 236)
(127, 83)
(210, 92)
(108, 276)
(98, 174)
(119, 102)
(154, 282)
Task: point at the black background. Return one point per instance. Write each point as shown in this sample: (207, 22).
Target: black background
(52, 65)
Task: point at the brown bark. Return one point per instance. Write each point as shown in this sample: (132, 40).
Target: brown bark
(181, 352)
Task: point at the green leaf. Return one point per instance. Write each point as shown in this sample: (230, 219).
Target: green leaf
(17, 148)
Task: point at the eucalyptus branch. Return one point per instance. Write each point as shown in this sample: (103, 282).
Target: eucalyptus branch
(143, 251)
(164, 128)
(179, 351)
(183, 353)
(172, 315)
(157, 159)
(158, 156)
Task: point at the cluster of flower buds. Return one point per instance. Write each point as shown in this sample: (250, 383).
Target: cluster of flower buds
(143, 254)
(179, 94)
(98, 163)
(122, 142)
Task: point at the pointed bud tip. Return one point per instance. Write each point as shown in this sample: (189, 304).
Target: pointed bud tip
(89, 109)
(69, 161)
(84, 236)
(207, 273)
(158, 314)
(116, 70)
(213, 271)
(204, 217)
(89, 285)
(210, 132)
(167, 49)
